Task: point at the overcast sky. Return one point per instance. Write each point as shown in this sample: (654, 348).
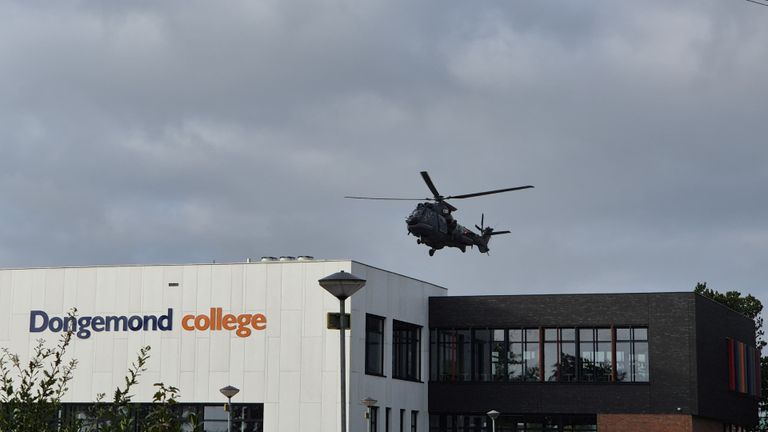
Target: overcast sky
(192, 131)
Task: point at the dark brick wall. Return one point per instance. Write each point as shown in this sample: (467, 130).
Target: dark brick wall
(715, 323)
(672, 324)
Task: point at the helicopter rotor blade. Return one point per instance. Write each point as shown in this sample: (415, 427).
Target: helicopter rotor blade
(500, 232)
(476, 194)
(431, 186)
(388, 198)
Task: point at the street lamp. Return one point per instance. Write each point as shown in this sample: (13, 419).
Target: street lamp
(368, 402)
(229, 392)
(493, 414)
(342, 285)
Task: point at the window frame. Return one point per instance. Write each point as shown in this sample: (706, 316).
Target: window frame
(369, 343)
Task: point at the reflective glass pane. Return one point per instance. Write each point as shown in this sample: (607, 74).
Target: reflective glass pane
(215, 412)
(515, 335)
(622, 333)
(482, 355)
(567, 334)
(531, 335)
(603, 362)
(623, 370)
(641, 333)
(551, 361)
(567, 361)
(586, 335)
(640, 362)
(532, 371)
(515, 361)
(604, 334)
(586, 361)
(550, 335)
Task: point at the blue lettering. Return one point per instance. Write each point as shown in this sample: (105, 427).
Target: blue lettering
(97, 324)
(82, 327)
(165, 321)
(150, 319)
(33, 320)
(135, 323)
(113, 323)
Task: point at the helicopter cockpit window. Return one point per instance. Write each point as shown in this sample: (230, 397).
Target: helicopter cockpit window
(416, 213)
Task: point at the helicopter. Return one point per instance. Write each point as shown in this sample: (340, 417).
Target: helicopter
(434, 225)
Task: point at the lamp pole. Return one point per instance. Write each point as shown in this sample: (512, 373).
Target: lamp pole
(342, 285)
(229, 392)
(493, 414)
(368, 402)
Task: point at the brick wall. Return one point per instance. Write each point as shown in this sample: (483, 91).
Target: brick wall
(644, 422)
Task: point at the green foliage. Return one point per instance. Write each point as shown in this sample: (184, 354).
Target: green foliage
(31, 394)
(748, 306)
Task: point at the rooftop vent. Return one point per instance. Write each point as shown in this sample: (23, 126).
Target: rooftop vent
(306, 258)
(287, 258)
(268, 258)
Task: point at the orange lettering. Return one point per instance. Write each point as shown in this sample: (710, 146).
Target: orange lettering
(202, 322)
(185, 322)
(259, 322)
(229, 322)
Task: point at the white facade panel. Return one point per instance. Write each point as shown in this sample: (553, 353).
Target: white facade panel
(291, 366)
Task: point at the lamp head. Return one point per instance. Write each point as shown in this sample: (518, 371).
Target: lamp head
(493, 414)
(229, 392)
(368, 402)
(342, 285)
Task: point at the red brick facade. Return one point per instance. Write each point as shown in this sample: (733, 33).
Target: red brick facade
(655, 423)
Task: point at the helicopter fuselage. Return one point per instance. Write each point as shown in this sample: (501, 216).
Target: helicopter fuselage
(435, 227)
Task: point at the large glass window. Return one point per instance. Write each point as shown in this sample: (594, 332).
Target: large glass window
(193, 417)
(541, 354)
(499, 355)
(596, 357)
(481, 358)
(374, 419)
(406, 351)
(632, 354)
(374, 345)
(452, 349)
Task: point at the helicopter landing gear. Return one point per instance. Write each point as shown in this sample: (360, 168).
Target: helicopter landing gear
(431, 252)
(418, 241)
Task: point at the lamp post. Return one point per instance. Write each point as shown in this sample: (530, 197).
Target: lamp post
(342, 285)
(229, 392)
(368, 402)
(493, 414)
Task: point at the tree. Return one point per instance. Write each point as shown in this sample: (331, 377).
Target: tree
(31, 394)
(748, 306)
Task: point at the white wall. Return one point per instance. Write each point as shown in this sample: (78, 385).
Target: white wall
(292, 366)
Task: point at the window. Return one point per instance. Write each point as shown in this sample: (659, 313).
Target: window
(414, 421)
(481, 355)
(451, 359)
(374, 345)
(387, 415)
(523, 356)
(374, 419)
(402, 420)
(596, 361)
(540, 354)
(245, 417)
(632, 354)
(406, 351)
